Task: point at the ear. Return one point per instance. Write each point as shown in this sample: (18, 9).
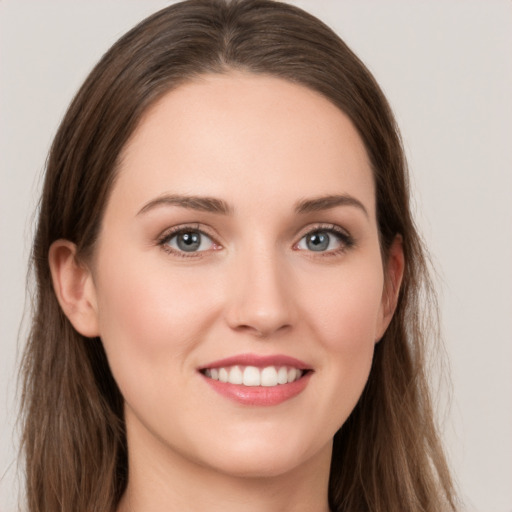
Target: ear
(393, 274)
(74, 287)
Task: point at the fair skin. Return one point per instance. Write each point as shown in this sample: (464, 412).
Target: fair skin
(267, 270)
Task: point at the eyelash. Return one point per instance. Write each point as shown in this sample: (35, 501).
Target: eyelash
(168, 235)
(346, 240)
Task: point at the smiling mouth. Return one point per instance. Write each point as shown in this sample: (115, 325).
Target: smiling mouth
(257, 380)
(252, 376)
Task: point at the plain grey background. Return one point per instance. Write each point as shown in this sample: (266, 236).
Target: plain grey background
(446, 68)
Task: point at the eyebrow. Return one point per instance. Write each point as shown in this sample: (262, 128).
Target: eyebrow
(200, 203)
(328, 202)
(215, 205)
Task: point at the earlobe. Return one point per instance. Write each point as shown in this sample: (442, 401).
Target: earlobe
(394, 271)
(74, 287)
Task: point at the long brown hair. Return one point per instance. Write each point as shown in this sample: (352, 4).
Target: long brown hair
(387, 456)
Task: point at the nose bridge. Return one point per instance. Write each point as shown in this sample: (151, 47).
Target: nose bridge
(260, 299)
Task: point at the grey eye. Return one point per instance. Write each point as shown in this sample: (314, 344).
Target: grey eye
(320, 241)
(190, 241)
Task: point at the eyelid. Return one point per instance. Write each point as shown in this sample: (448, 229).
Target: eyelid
(169, 233)
(346, 239)
(323, 226)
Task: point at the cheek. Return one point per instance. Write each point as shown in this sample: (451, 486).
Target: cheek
(147, 316)
(345, 318)
(346, 308)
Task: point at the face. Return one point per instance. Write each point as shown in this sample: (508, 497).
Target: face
(238, 282)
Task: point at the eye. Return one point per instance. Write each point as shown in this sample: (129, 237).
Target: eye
(188, 240)
(325, 240)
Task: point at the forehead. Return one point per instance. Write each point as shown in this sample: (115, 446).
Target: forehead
(247, 137)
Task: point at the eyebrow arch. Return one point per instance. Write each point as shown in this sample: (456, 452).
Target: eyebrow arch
(327, 202)
(200, 203)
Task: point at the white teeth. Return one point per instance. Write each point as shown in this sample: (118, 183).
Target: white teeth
(282, 375)
(269, 376)
(253, 376)
(235, 375)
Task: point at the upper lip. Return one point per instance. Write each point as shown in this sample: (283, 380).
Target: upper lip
(259, 361)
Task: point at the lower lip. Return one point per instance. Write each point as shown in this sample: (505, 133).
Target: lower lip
(259, 395)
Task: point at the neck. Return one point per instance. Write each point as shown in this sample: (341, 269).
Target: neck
(162, 480)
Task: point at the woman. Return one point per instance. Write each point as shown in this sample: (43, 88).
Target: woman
(228, 276)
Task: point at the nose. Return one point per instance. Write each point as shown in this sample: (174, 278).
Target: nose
(260, 296)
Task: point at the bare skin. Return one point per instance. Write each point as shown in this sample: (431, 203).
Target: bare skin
(242, 223)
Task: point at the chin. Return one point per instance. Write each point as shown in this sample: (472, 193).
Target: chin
(267, 460)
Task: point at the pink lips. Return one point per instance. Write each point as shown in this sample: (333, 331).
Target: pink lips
(258, 361)
(258, 395)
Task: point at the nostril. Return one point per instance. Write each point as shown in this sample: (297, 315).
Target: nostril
(261, 331)
(258, 300)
